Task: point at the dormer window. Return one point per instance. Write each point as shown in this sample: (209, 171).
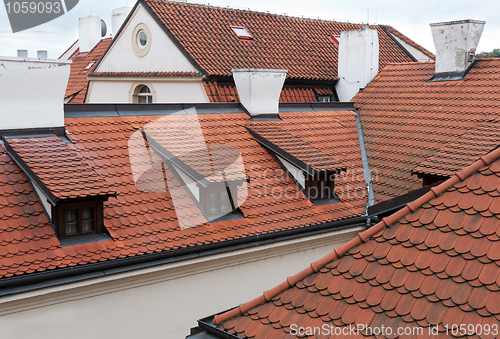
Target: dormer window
(241, 32)
(142, 94)
(311, 169)
(77, 219)
(70, 191)
(320, 186)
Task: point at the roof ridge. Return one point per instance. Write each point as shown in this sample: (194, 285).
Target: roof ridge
(360, 238)
(257, 11)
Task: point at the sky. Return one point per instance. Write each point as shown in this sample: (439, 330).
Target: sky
(411, 18)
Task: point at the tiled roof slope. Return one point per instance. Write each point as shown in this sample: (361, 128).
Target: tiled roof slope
(302, 46)
(435, 262)
(462, 151)
(407, 119)
(228, 93)
(26, 231)
(141, 219)
(78, 83)
(63, 171)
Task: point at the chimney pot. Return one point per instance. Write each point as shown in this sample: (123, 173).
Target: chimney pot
(22, 53)
(118, 17)
(90, 32)
(42, 54)
(456, 43)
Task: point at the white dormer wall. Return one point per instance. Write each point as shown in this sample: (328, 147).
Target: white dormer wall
(412, 50)
(32, 94)
(163, 56)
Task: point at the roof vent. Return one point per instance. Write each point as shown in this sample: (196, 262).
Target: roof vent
(260, 90)
(456, 43)
(22, 53)
(41, 54)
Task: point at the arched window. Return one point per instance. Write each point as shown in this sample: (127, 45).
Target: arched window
(143, 95)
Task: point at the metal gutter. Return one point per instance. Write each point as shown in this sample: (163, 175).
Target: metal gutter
(366, 165)
(57, 277)
(206, 324)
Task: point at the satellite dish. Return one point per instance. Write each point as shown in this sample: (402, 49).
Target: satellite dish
(104, 28)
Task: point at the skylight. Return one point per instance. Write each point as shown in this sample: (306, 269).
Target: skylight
(89, 65)
(242, 32)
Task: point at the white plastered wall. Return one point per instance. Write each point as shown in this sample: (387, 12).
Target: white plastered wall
(163, 56)
(32, 92)
(174, 91)
(415, 52)
(164, 301)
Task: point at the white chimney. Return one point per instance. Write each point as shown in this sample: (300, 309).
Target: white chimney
(456, 44)
(41, 54)
(260, 89)
(358, 61)
(118, 17)
(90, 31)
(32, 94)
(22, 53)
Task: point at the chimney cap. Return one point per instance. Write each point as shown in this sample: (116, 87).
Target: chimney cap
(264, 70)
(458, 22)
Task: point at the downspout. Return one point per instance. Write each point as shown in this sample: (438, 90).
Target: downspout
(366, 166)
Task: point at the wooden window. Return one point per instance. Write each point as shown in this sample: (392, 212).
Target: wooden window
(217, 201)
(321, 186)
(77, 219)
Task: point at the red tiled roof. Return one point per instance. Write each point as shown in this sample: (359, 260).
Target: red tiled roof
(228, 93)
(78, 83)
(302, 46)
(142, 221)
(60, 168)
(141, 74)
(277, 133)
(462, 151)
(407, 119)
(435, 262)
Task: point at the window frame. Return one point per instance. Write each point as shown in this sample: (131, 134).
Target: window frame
(219, 189)
(316, 183)
(248, 37)
(97, 207)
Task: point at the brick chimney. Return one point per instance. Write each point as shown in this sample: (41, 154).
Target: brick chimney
(456, 43)
(260, 90)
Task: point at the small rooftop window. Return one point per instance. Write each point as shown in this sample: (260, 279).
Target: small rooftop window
(89, 65)
(241, 32)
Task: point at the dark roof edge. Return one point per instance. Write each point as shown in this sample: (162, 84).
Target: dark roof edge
(59, 131)
(452, 76)
(400, 201)
(360, 238)
(57, 277)
(109, 110)
(398, 43)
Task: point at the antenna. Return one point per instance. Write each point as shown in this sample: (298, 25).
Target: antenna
(367, 16)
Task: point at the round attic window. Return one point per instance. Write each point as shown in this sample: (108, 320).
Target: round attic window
(141, 40)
